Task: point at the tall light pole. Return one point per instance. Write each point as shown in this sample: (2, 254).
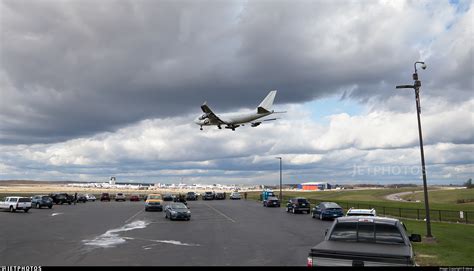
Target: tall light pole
(280, 179)
(416, 86)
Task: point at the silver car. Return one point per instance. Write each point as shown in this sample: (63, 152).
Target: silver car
(177, 210)
(120, 196)
(90, 197)
(235, 195)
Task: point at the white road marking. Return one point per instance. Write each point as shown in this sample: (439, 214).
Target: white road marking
(111, 238)
(172, 242)
(126, 221)
(55, 214)
(219, 212)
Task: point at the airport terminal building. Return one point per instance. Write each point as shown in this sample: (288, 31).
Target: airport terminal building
(313, 186)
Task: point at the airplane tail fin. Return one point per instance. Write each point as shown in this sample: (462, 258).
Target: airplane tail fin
(266, 105)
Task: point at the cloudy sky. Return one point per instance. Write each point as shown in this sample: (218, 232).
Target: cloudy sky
(93, 89)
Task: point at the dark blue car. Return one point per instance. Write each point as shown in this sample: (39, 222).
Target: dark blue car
(39, 201)
(327, 210)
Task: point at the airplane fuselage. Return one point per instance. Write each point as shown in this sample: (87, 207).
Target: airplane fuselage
(233, 118)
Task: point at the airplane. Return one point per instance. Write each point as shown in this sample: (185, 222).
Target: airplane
(234, 120)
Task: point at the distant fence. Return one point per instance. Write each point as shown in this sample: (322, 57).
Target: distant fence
(411, 213)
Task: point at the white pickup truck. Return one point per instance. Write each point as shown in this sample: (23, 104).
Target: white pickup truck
(16, 203)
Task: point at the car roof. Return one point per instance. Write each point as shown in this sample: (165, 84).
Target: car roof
(375, 219)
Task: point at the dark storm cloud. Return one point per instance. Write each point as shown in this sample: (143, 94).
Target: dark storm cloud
(76, 68)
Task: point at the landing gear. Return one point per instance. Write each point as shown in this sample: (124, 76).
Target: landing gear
(200, 128)
(218, 126)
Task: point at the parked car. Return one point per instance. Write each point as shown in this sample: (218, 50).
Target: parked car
(296, 205)
(235, 195)
(208, 195)
(90, 197)
(327, 210)
(61, 198)
(177, 211)
(271, 202)
(16, 203)
(168, 197)
(81, 198)
(134, 198)
(120, 196)
(39, 201)
(191, 196)
(361, 212)
(105, 197)
(365, 241)
(154, 202)
(219, 195)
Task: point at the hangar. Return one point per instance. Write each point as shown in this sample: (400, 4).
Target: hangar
(312, 186)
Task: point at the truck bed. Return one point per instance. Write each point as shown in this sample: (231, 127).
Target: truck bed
(337, 253)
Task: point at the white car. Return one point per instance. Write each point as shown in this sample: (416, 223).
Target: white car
(90, 197)
(361, 212)
(235, 195)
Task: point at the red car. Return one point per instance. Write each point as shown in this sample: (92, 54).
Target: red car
(134, 198)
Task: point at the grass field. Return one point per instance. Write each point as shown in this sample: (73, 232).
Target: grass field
(445, 196)
(454, 244)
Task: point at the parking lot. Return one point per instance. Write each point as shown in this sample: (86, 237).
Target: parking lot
(226, 232)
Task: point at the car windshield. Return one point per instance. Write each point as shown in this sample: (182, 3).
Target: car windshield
(359, 214)
(367, 233)
(272, 198)
(302, 201)
(45, 198)
(331, 205)
(154, 197)
(178, 206)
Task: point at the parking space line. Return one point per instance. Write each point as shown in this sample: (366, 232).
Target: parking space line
(126, 221)
(219, 212)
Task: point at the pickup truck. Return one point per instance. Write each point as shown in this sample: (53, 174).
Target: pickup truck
(365, 241)
(16, 203)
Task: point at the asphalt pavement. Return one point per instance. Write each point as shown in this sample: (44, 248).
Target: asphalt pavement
(220, 233)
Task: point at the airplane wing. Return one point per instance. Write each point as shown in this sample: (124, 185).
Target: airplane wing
(257, 123)
(213, 117)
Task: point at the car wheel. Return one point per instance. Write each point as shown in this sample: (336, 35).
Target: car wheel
(26, 210)
(287, 209)
(38, 206)
(321, 216)
(69, 203)
(312, 215)
(50, 206)
(11, 209)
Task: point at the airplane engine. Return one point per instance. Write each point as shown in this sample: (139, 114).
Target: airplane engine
(203, 116)
(255, 124)
(207, 121)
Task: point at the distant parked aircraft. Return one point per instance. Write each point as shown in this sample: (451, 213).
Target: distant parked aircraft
(234, 120)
